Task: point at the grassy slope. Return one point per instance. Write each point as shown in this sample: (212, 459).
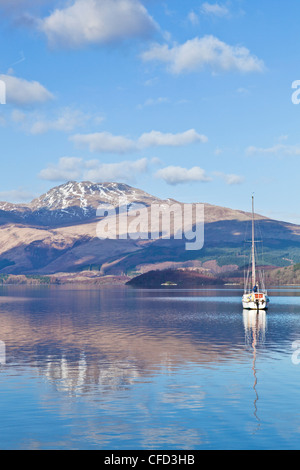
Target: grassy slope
(284, 276)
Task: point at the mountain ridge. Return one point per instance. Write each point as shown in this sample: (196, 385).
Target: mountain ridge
(57, 232)
(73, 201)
(87, 196)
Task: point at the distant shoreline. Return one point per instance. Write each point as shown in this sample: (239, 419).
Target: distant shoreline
(110, 281)
(61, 279)
(161, 279)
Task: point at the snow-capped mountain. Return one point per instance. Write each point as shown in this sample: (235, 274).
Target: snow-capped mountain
(73, 202)
(57, 232)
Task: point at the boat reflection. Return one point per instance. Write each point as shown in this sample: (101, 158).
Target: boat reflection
(255, 323)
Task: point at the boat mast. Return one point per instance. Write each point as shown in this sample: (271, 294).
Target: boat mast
(253, 247)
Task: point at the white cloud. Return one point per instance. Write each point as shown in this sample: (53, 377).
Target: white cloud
(151, 82)
(156, 139)
(153, 102)
(278, 149)
(62, 120)
(122, 171)
(67, 120)
(22, 92)
(16, 195)
(218, 151)
(177, 175)
(193, 18)
(200, 52)
(230, 179)
(18, 116)
(214, 9)
(233, 179)
(283, 137)
(68, 168)
(97, 21)
(242, 91)
(72, 168)
(106, 142)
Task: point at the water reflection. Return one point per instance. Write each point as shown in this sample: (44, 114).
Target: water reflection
(255, 323)
(119, 368)
(78, 358)
(84, 341)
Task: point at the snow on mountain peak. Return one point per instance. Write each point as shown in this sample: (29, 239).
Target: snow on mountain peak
(74, 202)
(86, 195)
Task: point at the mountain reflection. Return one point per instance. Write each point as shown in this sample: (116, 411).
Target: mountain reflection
(119, 368)
(84, 341)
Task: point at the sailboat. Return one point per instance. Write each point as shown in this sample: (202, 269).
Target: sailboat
(255, 295)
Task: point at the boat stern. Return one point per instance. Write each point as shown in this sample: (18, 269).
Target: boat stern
(255, 301)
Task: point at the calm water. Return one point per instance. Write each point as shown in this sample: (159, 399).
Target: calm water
(137, 369)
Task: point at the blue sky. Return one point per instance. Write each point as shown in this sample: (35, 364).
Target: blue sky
(188, 100)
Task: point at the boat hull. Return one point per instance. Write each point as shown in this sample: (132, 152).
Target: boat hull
(254, 306)
(255, 302)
